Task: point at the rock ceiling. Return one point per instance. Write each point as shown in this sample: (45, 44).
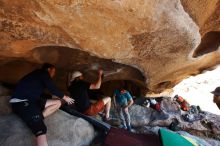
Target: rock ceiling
(151, 42)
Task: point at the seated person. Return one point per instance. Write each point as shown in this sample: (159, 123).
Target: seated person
(79, 91)
(30, 107)
(122, 100)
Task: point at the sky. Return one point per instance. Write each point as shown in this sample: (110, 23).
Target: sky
(196, 90)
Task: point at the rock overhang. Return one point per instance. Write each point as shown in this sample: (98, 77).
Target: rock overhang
(158, 43)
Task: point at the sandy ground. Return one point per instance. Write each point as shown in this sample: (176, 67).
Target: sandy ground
(196, 90)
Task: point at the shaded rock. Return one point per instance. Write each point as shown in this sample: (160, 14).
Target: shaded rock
(141, 116)
(169, 106)
(4, 91)
(212, 121)
(198, 140)
(63, 130)
(212, 142)
(5, 105)
(148, 129)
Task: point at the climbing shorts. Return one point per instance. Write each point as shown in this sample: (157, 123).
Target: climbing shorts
(31, 113)
(95, 108)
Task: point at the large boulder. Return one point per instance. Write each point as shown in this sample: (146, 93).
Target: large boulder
(170, 106)
(141, 116)
(156, 39)
(63, 130)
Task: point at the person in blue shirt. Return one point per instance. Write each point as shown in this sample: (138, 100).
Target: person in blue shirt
(27, 104)
(122, 100)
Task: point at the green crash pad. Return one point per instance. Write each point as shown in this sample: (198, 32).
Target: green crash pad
(170, 138)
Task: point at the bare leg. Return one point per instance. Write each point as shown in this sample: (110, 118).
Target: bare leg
(42, 140)
(51, 106)
(107, 103)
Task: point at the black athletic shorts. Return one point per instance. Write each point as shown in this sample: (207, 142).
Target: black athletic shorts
(31, 113)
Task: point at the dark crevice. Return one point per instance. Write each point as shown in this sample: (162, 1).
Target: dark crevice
(67, 60)
(72, 59)
(134, 88)
(163, 85)
(210, 43)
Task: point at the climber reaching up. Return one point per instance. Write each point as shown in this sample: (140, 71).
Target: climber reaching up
(79, 91)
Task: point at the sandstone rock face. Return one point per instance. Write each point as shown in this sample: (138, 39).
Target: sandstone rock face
(63, 130)
(154, 43)
(204, 13)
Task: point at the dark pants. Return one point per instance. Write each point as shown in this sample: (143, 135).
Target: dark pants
(124, 117)
(31, 113)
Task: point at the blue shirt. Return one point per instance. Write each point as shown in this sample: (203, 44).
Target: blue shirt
(32, 85)
(122, 98)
